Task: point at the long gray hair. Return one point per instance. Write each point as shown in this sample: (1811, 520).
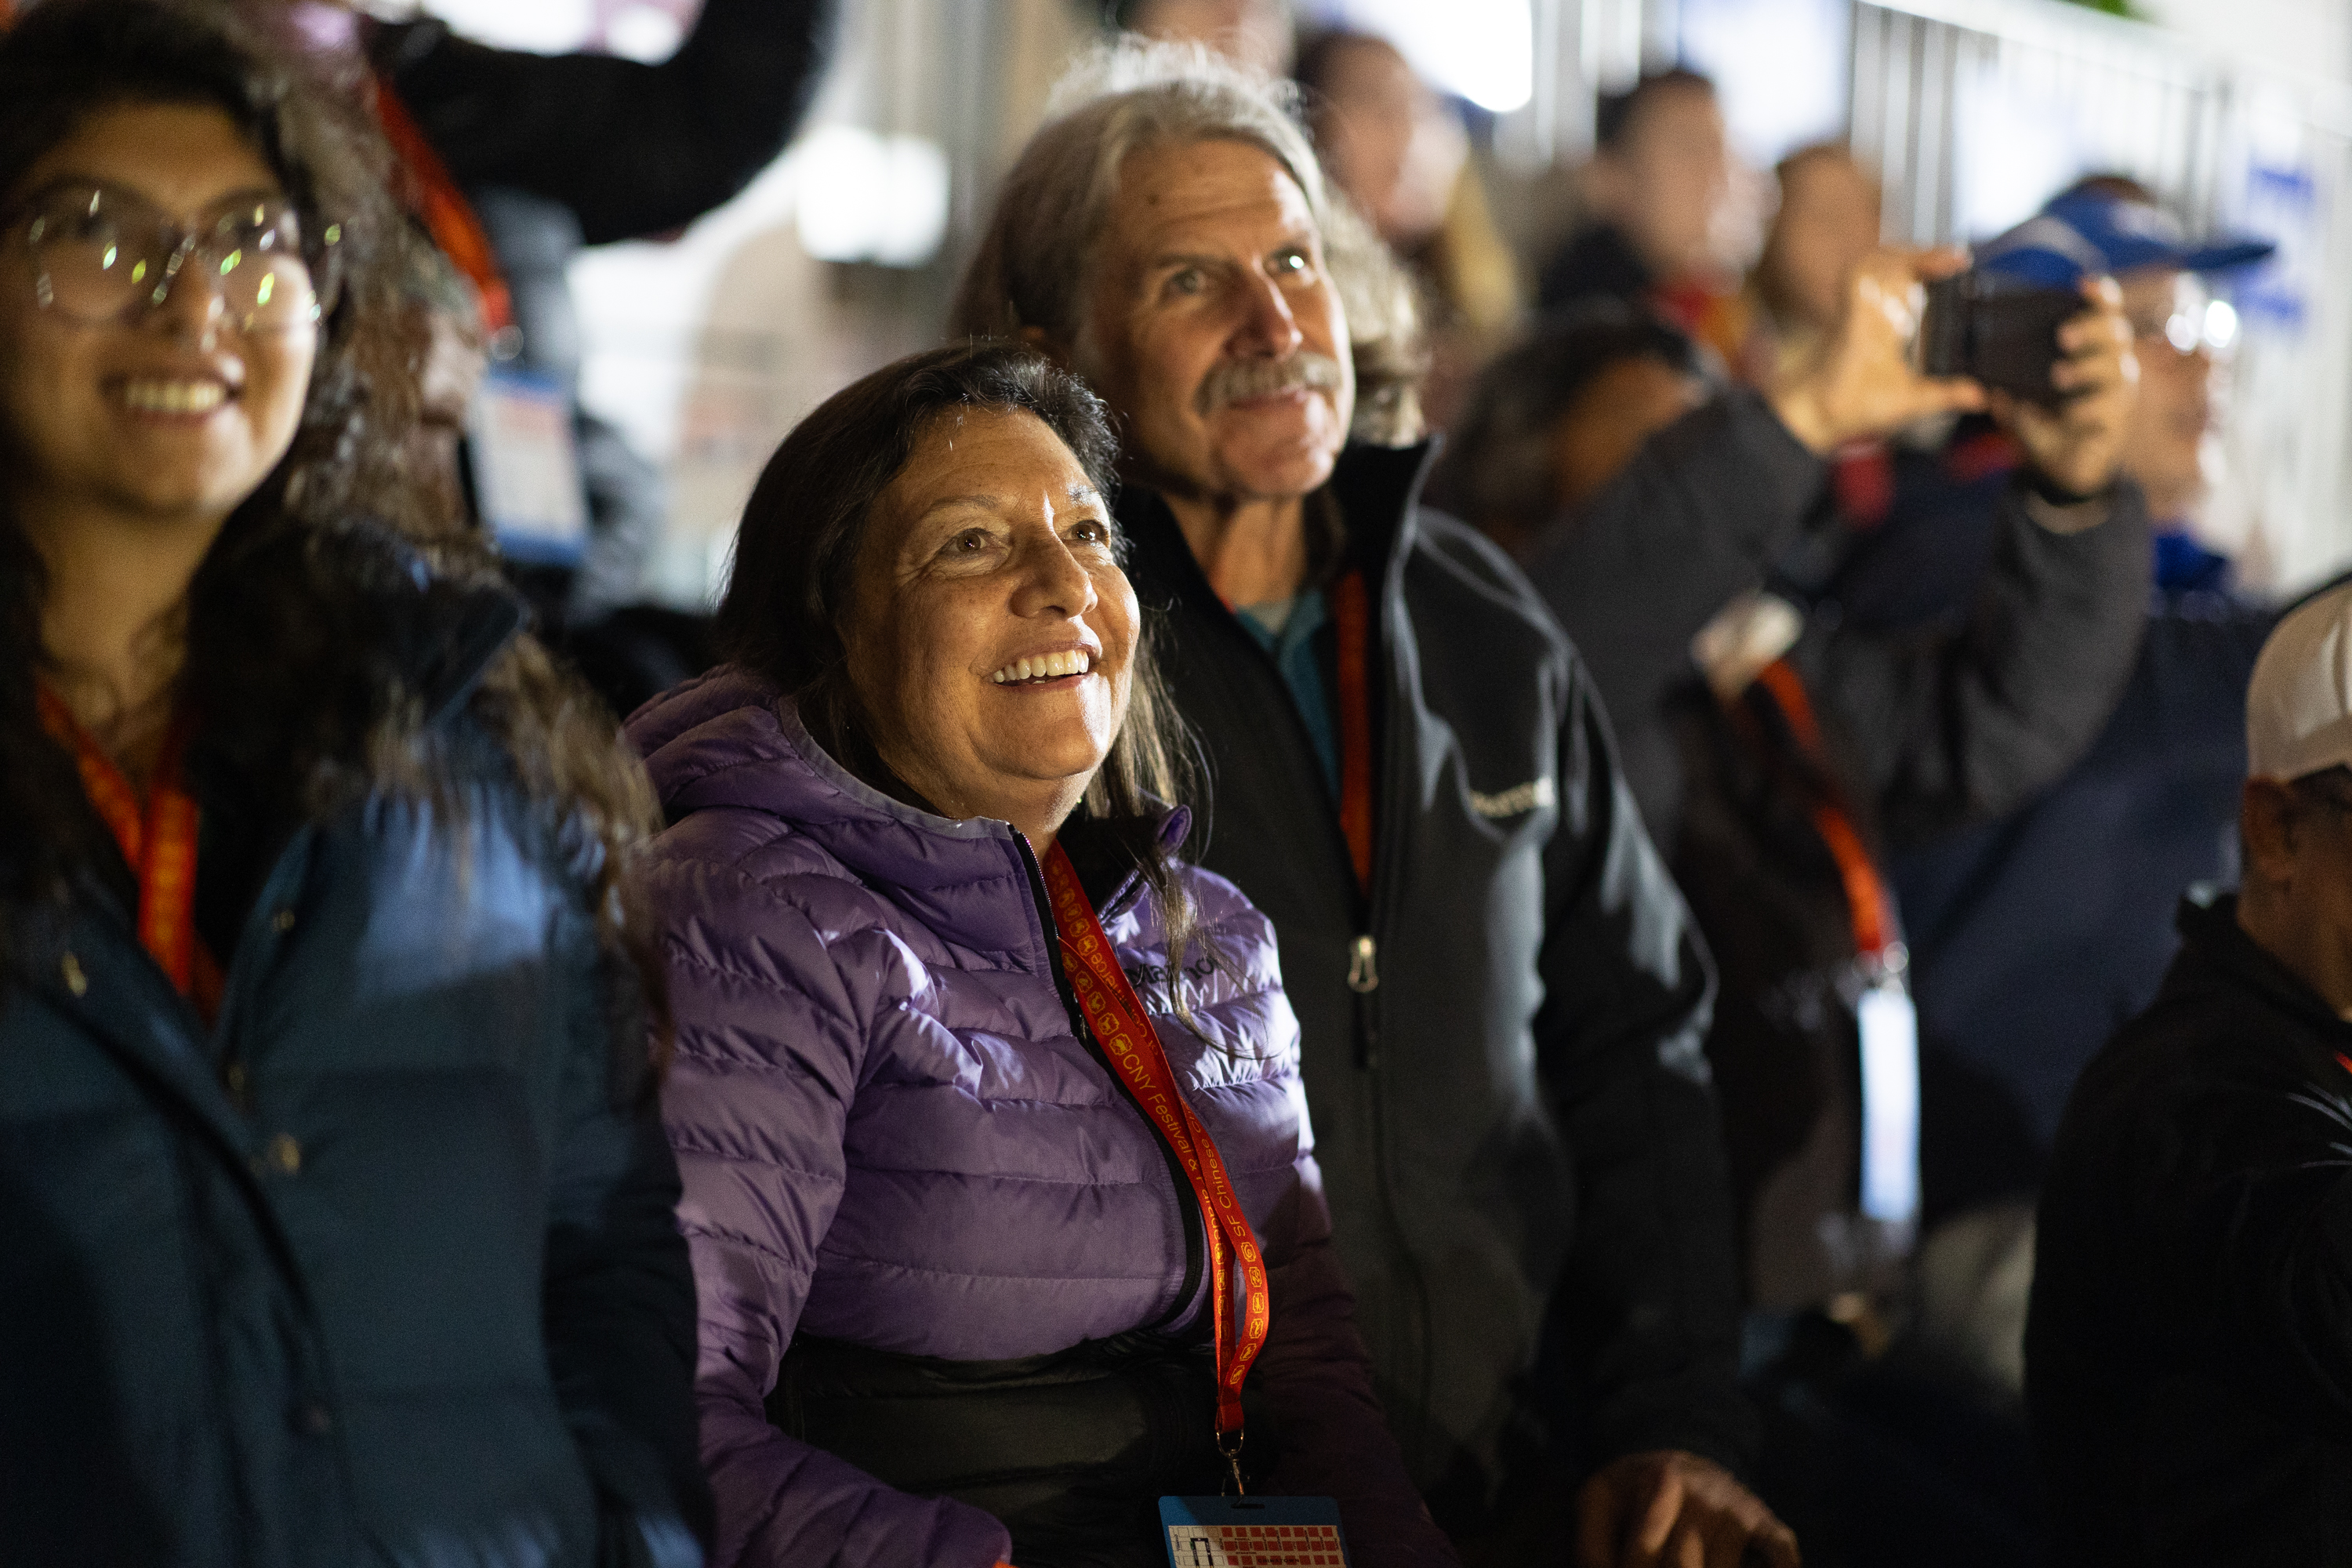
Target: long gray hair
(1031, 266)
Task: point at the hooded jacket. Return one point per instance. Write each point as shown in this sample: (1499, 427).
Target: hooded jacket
(380, 1267)
(2187, 1366)
(897, 1134)
(1501, 1035)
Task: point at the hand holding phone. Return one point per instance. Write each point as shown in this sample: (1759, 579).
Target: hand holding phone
(2074, 436)
(1864, 381)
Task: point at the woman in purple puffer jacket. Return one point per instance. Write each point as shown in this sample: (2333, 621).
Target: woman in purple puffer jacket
(955, 1287)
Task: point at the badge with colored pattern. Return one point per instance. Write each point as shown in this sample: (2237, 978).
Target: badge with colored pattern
(1253, 1532)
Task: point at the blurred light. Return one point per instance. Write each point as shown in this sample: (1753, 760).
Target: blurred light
(542, 26)
(864, 197)
(1483, 51)
(2220, 324)
(645, 32)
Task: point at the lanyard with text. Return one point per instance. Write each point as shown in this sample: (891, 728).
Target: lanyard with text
(1888, 1021)
(157, 843)
(433, 195)
(1352, 620)
(1120, 1026)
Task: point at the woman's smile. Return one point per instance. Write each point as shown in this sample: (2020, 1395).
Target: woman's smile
(1055, 669)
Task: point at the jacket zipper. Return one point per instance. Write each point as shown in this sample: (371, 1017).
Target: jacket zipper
(1364, 980)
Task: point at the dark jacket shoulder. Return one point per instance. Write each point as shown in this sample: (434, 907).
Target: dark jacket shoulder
(2187, 1375)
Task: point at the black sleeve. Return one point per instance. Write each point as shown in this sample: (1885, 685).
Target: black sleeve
(1334, 1439)
(631, 149)
(1697, 519)
(1956, 723)
(618, 1293)
(1649, 1304)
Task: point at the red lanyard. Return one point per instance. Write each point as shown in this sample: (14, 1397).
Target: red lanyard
(158, 844)
(433, 195)
(1351, 618)
(1124, 1030)
(1866, 892)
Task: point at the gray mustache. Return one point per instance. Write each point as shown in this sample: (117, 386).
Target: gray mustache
(1237, 379)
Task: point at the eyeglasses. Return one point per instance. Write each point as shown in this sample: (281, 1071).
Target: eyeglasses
(2197, 320)
(101, 254)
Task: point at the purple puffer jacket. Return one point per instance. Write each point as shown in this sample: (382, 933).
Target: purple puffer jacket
(890, 1136)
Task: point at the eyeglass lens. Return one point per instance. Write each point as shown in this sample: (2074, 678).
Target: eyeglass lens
(2196, 322)
(100, 255)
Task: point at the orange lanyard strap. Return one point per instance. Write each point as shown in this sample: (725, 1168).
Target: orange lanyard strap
(1866, 892)
(1352, 619)
(159, 845)
(1120, 1026)
(432, 193)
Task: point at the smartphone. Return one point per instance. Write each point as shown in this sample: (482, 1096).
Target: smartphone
(2002, 333)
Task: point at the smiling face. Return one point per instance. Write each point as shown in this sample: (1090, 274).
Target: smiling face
(176, 414)
(1213, 329)
(991, 633)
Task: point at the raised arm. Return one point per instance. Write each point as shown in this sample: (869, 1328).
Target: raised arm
(1714, 502)
(1968, 721)
(769, 1050)
(631, 149)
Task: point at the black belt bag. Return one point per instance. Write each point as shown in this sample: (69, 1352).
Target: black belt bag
(1072, 1450)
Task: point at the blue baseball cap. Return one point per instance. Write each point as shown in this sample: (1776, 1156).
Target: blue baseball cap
(2083, 233)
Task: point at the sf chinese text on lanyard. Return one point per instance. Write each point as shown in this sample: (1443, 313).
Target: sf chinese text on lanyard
(157, 843)
(1236, 1264)
(1888, 1021)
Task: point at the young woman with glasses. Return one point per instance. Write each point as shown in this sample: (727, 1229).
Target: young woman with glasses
(335, 1206)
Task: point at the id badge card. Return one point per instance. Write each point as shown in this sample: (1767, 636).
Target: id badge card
(1253, 1532)
(527, 470)
(1890, 1105)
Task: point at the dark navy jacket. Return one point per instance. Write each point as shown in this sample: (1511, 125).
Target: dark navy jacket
(382, 1267)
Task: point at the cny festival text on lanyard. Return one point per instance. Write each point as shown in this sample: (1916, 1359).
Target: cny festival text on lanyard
(1124, 1030)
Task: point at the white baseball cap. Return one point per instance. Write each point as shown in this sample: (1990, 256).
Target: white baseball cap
(2299, 703)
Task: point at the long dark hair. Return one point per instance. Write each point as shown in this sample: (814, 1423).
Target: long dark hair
(796, 555)
(295, 689)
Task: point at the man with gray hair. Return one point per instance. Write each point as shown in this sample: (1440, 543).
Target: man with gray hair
(1501, 994)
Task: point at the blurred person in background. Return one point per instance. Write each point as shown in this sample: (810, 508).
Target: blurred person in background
(339, 1218)
(1499, 997)
(1399, 152)
(1784, 746)
(2189, 1373)
(1553, 421)
(1779, 750)
(516, 160)
(1655, 196)
(954, 1302)
(2032, 938)
(1826, 224)
(1258, 35)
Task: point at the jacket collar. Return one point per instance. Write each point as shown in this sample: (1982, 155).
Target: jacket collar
(2209, 925)
(440, 637)
(729, 739)
(1378, 489)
